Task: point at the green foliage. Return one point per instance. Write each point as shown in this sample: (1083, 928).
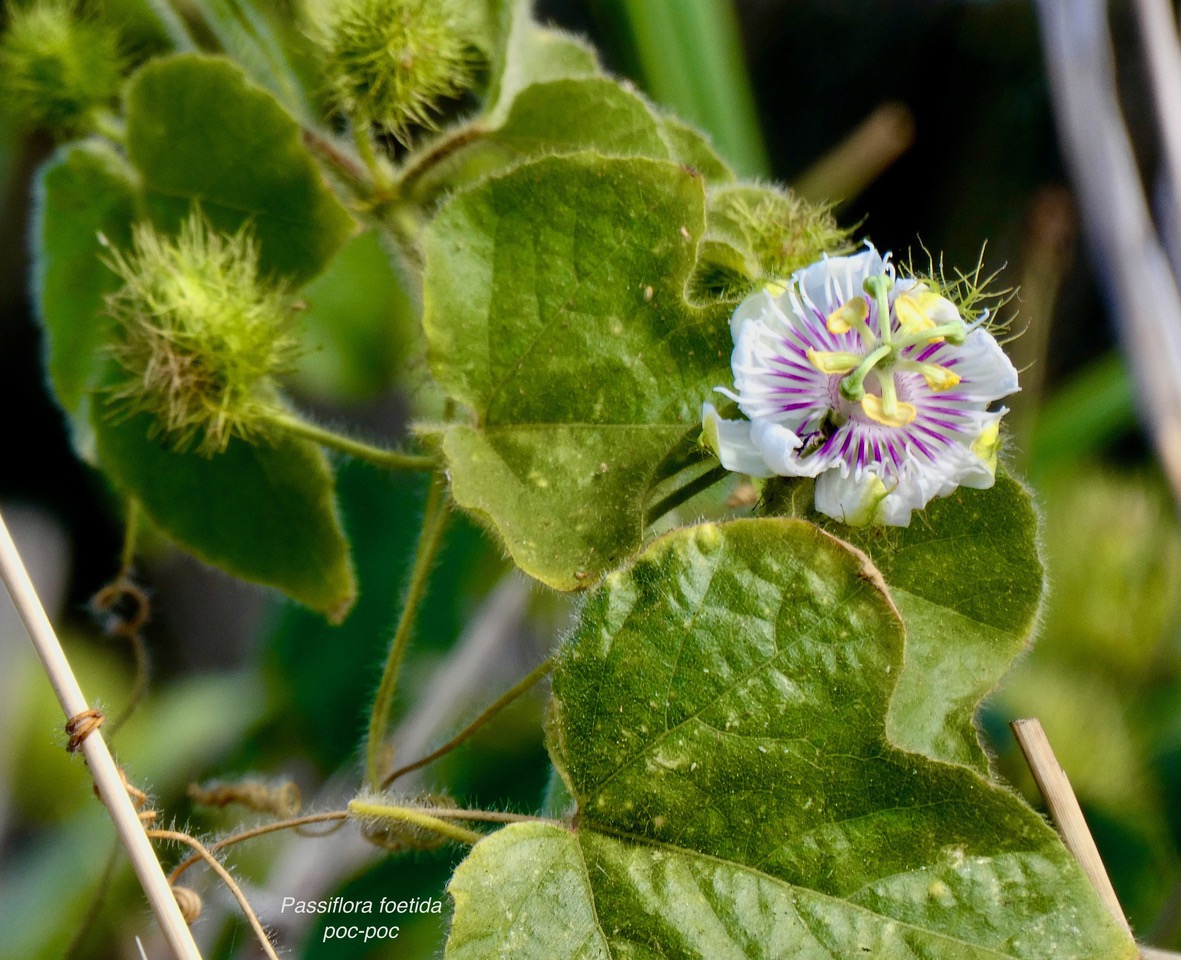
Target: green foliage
(1105, 675)
(245, 164)
(264, 513)
(84, 193)
(245, 33)
(324, 672)
(557, 314)
(567, 116)
(720, 717)
(967, 580)
(56, 67)
(393, 62)
(690, 146)
(759, 234)
(689, 54)
(200, 337)
(526, 53)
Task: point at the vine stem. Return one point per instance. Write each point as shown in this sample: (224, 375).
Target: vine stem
(383, 811)
(98, 758)
(130, 538)
(224, 874)
(520, 687)
(697, 485)
(434, 521)
(259, 831)
(390, 459)
(363, 138)
(139, 685)
(340, 160)
(435, 154)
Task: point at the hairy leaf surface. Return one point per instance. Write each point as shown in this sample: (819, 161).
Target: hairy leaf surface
(265, 513)
(967, 581)
(242, 165)
(720, 717)
(85, 193)
(555, 309)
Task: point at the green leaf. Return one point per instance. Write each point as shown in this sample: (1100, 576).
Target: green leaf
(967, 579)
(720, 717)
(526, 53)
(264, 513)
(689, 53)
(554, 308)
(759, 234)
(688, 145)
(557, 117)
(245, 164)
(84, 190)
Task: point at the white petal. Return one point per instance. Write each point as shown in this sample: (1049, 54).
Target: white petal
(842, 276)
(753, 309)
(986, 374)
(730, 440)
(855, 500)
(778, 446)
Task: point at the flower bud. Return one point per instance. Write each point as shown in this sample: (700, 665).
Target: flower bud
(393, 62)
(56, 68)
(200, 336)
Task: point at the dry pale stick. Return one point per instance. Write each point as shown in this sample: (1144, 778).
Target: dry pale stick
(1068, 818)
(98, 758)
(1141, 289)
(1065, 811)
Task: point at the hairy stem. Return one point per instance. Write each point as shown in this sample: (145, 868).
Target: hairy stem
(418, 166)
(259, 831)
(382, 180)
(263, 940)
(138, 687)
(381, 811)
(520, 687)
(389, 459)
(433, 523)
(346, 165)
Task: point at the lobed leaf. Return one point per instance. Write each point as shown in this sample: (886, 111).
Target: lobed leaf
(967, 580)
(569, 115)
(720, 717)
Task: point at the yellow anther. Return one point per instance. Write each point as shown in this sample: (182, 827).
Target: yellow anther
(921, 309)
(911, 313)
(833, 362)
(938, 378)
(985, 446)
(845, 317)
(902, 415)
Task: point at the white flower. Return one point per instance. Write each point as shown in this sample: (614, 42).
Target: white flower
(885, 415)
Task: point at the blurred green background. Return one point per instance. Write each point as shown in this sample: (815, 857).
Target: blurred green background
(926, 121)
